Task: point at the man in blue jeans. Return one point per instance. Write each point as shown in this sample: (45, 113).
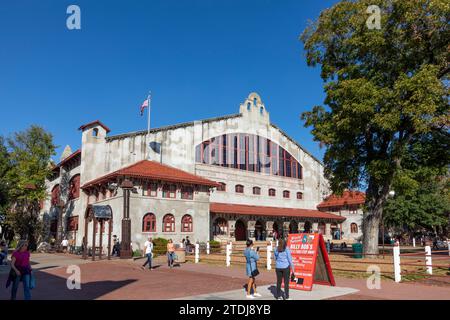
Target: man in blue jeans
(148, 249)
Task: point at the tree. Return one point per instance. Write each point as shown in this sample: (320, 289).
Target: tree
(4, 198)
(29, 155)
(385, 90)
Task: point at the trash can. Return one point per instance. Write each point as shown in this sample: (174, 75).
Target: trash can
(181, 255)
(357, 250)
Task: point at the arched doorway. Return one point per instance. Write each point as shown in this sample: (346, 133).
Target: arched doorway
(260, 232)
(240, 231)
(276, 230)
(220, 227)
(293, 227)
(308, 226)
(322, 228)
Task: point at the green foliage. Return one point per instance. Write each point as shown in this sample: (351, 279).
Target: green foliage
(385, 91)
(28, 157)
(137, 253)
(160, 246)
(214, 246)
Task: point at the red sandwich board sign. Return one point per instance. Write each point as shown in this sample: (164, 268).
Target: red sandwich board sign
(311, 262)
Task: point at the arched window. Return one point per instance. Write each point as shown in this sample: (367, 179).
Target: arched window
(299, 195)
(353, 228)
(222, 187)
(74, 187)
(55, 195)
(239, 188)
(169, 223)
(149, 223)
(248, 106)
(95, 132)
(256, 190)
(169, 191)
(286, 194)
(261, 110)
(272, 192)
(187, 193)
(186, 223)
(248, 152)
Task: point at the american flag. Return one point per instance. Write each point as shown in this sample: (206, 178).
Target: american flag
(144, 105)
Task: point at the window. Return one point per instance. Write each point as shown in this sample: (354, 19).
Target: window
(187, 193)
(250, 153)
(286, 194)
(74, 187)
(169, 191)
(222, 187)
(169, 223)
(239, 188)
(55, 195)
(72, 223)
(257, 190)
(248, 106)
(95, 132)
(149, 223)
(299, 195)
(272, 193)
(186, 223)
(151, 190)
(354, 228)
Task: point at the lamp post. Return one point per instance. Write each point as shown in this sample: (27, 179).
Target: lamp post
(125, 246)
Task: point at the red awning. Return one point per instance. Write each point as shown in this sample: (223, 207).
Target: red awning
(271, 211)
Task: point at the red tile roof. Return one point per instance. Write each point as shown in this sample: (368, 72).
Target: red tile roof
(154, 171)
(270, 211)
(96, 122)
(348, 197)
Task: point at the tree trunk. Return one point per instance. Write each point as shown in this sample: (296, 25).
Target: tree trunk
(371, 227)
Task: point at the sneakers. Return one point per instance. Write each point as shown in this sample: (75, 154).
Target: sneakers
(257, 294)
(280, 298)
(289, 298)
(250, 296)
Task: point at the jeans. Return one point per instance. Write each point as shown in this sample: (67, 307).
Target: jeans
(26, 287)
(170, 258)
(149, 260)
(283, 274)
(2, 257)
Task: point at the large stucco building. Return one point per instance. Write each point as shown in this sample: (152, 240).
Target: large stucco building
(231, 177)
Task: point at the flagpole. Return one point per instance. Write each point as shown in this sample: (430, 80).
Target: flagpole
(148, 122)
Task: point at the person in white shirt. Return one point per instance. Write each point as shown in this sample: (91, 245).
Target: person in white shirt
(148, 252)
(65, 244)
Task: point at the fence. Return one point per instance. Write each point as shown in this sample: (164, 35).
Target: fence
(392, 264)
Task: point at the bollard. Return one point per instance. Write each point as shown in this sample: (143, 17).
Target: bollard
(207, 247)
(428, 261)
(414, 242)
(269, 257)
(228, 253)
(397, 269)
(197, 252)
(448, 246)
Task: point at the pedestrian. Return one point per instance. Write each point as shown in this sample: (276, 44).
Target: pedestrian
(170, 253)
(3, 253)
(251, 256)
(328, 246)
(283, 267)
(64, 245)
(148, 249)
(20, 271)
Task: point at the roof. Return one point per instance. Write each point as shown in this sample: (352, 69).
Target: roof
(154, 171)
(348, 197)
(66, 160)
(171, 127)
(271, 211)
(96, 122)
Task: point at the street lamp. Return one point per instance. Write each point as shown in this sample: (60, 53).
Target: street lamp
(125, 246)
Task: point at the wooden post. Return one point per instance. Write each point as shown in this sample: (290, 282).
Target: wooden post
(93, 238)
(101, 239)
(109, 237)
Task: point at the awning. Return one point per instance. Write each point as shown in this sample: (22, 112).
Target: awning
(272, 211)
(102, 212)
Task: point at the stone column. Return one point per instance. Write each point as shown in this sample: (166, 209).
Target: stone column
(301, 226)
(328, 230)
(251, 229)
(269, 229)
(286, 228)
(231, 225)
(315, 226)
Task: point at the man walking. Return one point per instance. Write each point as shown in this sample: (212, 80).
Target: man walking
(148, 247)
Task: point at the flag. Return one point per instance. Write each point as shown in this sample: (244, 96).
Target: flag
(143, 106)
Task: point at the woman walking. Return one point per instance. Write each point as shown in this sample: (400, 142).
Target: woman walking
(283, 267)
(20, 270)
(252, 270)
(170, 253)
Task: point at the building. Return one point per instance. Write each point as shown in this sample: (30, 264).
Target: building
(232, 177)
(349, 206)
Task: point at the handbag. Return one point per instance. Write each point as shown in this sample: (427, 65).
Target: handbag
(255, 272)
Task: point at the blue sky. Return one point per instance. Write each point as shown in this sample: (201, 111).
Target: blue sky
(200, 59)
